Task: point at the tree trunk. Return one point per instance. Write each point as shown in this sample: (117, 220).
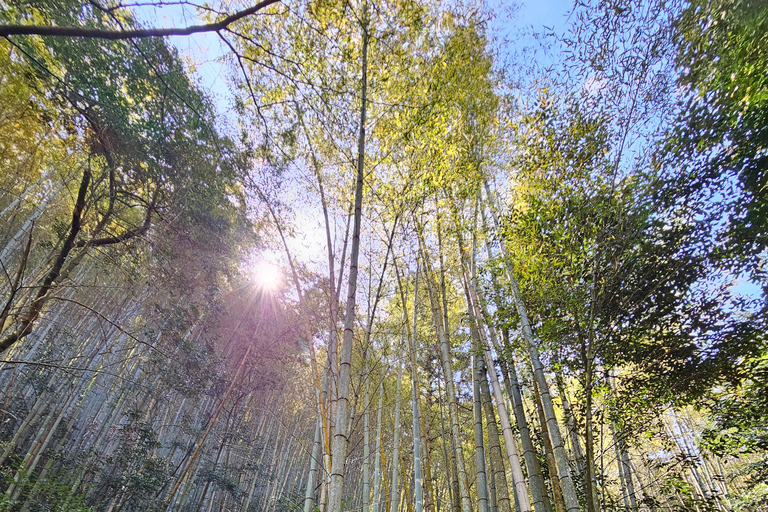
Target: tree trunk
(377, 463)
(341, 435)
(314, 462)
(482, 479)
(557, 490)
(538, 488)
(578, 453)
(453, 413)
(521, 491)
(417, 484)
(499, 477)
(366, 441)
(36, 306)
(541, 501)
(393, 490)
(569, 490)
(452, 483)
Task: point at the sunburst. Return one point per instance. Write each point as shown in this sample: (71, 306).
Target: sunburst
(267, 274)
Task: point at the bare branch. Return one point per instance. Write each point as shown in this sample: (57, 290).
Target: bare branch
(96, 33)
(114, 324)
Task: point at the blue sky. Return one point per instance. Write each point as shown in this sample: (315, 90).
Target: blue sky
(515, 25)
(516, 22)
(203, 54)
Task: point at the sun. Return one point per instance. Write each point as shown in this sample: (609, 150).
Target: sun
(267, 274)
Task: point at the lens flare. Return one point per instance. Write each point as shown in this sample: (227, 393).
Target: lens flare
(267, 274)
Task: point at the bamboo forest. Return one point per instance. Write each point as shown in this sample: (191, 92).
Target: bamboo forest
(383, 255)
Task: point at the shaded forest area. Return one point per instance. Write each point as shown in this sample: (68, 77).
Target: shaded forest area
(526, 286)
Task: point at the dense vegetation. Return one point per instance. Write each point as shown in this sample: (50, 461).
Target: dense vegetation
(537, 288)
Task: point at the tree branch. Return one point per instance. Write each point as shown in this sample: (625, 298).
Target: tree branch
(96, 33)
(109, 240)
(28, 322)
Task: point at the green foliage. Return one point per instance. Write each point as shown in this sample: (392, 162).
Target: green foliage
(48, 495)
(754, 499)
(721, 139)
(740, 410)
(126, 115)
(610, 278)
(135, 473)
(621, 264)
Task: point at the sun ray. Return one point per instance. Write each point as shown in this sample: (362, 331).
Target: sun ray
(267, 274)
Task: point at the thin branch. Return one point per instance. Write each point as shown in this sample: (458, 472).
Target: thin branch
(95, 371)
(114, 324)
(114, 35)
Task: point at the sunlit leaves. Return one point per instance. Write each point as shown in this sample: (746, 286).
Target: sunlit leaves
(722, 137)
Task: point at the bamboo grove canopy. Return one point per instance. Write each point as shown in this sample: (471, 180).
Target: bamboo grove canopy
(383, 256)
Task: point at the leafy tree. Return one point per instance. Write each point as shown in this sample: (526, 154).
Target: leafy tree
(148, 152)
(720, 142)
